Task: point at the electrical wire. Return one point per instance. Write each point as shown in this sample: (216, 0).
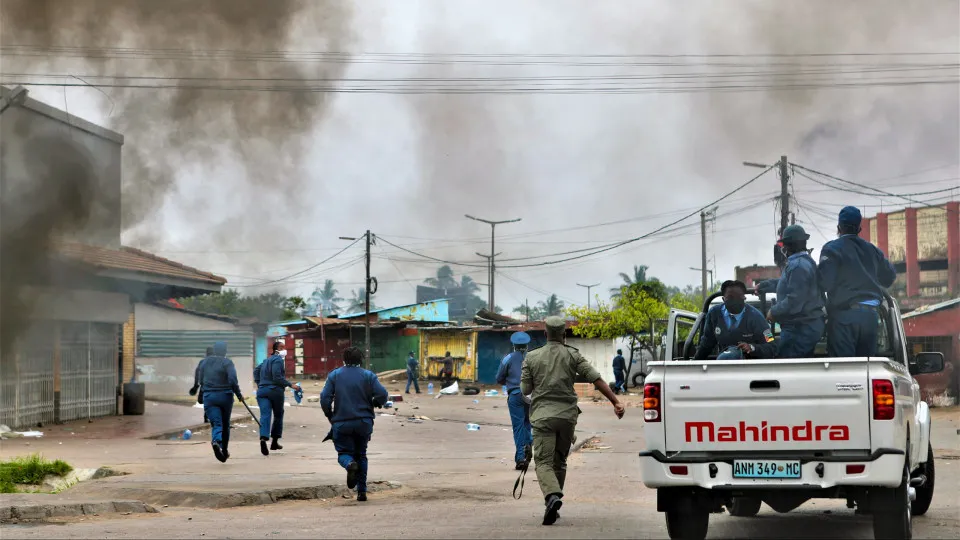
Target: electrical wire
(825, 175)
(335, 255)
(898, 195)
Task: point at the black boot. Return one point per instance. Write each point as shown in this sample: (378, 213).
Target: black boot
(218, 452)
(275, 445)
(553, 509)
(353, 471)
(362, 496)
(263, 446)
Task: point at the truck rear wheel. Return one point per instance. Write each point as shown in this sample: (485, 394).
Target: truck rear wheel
(925, 492)
(744, 506)
(891, 510)
(687, 520)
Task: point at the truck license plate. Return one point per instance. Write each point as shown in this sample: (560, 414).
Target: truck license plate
(766, 469)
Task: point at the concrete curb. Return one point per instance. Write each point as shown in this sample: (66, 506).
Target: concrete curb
(228, 499)
(42, 512)
(167, 435)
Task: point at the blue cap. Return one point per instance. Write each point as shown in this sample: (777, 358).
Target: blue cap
(520, 338)
(850, 215)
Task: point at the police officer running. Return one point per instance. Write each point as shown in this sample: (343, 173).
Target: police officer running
(549, 373)
(854, 274)
(271, 380)
(218, 378)
(799, 307)
(737, 327)
(619, 371)
(413, 369)
(348, 399)
(509, 375)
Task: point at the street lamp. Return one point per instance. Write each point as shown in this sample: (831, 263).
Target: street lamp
(709, 271)
(492, 306)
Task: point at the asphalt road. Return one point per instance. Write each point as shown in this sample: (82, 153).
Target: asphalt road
(457, 484)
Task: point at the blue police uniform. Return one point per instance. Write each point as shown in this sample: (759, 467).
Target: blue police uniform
(509, 375)
(854, 274)
(725, 329)
(619, 371)
(218, 379)
(271, 380)
(799, 308)
(413, 368)
(348, 399)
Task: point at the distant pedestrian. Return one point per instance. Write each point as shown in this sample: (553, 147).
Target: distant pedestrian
(218, 378)
(196, 383)
(549, 373)
(271, 380)
(855, 275)
(413, 372)
(509, 375)
(446, 373)
(348, 399)
(620, 370)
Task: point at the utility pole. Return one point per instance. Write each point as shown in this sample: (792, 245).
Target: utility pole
(491, 301)
(489, 259)
(703, 254)
(366, 317)
(588, 287)
(526, 301)
(784, 194)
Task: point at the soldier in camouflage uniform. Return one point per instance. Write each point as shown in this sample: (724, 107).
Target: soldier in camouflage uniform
(549, 373)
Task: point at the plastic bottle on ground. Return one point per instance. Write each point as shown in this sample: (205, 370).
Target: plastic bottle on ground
(473, 427)
(430, 388)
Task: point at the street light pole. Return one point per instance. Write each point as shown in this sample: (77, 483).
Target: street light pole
(588, 287)
(491, 300)
(709, 271)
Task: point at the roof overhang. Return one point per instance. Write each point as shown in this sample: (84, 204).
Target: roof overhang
(153, 279)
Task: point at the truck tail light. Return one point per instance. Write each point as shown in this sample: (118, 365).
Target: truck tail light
(883, 400)
(651, 402)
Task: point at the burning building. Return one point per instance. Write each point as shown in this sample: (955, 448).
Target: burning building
(67, 285)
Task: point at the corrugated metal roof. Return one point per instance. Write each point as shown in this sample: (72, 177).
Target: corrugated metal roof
(191, 343)
(133, 260)
(930, 309)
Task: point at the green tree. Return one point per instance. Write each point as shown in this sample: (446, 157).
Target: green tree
(358, 301)
(327, 298)
(551, 306)
(444, 279)
(639, 278)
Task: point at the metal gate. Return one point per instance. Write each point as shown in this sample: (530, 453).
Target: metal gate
(26, 390)
(88, 370)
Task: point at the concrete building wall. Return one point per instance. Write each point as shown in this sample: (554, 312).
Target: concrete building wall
(599, 352)
(26, 131)
(157, 318)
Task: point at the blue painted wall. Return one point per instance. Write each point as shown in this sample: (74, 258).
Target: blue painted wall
(492, 347)
(435, 311)
(259, 349)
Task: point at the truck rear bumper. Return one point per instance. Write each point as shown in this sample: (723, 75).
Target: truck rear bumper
(883, 467)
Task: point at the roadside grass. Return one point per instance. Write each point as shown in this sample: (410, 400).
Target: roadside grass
(29, 470)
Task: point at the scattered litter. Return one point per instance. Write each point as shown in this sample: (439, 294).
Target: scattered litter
(285, 404)
(197, 406)
(505, 429)
(416, 408)
(451, 390)
(388, 405)
(313, 399)
(240, 425)
(491, 393)
(473, 427)
(385, 414)
(187, 434)
(303, 426)
(127, 513)
(476, 401)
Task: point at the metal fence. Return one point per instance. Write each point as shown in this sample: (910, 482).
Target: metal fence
(26, 381)
(88, 370)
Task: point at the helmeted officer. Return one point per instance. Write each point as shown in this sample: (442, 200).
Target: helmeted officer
(218, 378)
(509, 375)
(854, 274)
(549, 373)
(734, 325)
(271, 380)
(799, 307)
(348, 399)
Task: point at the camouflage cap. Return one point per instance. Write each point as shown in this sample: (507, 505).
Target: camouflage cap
(555, 322)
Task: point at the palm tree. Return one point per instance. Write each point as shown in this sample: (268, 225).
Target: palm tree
(358, 300)
(639, 276)
(469, 285)
(327, 298)
(651, 285)
(444, 279)
(552, 306)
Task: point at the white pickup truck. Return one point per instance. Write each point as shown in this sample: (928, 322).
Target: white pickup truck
(738, 433)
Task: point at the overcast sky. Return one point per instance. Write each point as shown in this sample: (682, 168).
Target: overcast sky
(408, 167)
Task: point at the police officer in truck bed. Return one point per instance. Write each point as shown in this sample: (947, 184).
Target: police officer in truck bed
(734, 323)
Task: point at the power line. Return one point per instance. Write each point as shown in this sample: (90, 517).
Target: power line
(875, 191)
(306, 269)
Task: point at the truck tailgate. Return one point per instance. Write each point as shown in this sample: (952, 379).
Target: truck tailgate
(762, 406)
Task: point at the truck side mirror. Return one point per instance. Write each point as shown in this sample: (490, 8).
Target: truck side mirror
(926, 362)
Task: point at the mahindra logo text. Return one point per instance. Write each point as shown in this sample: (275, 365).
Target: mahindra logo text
(707, 431)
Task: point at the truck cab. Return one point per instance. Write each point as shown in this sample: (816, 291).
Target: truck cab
(738, 433)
